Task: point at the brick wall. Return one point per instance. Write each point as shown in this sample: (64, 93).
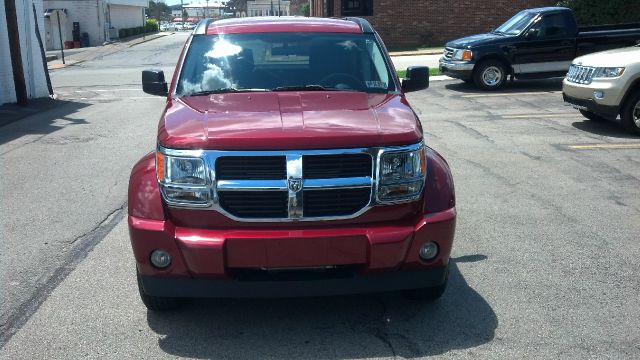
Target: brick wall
(433, 22)
(30, 51)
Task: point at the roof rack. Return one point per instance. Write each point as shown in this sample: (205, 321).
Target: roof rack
(202, 26)
(365, 26)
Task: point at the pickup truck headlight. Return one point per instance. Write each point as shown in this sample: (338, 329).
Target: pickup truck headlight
(461, 54)
(182, 179)
(608, 72)
(402, 175)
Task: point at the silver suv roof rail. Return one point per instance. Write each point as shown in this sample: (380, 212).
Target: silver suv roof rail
(202, 26)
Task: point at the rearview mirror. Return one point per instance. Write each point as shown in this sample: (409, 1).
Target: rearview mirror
(153, 82)
(417, 78)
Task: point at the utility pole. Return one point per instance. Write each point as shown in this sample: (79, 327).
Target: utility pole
(16, 56)
(271, 11)
(279, 8)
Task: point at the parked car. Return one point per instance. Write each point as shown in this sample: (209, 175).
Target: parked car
(168, 27)
(188, 26)
(289, 163)
(535, 43)
(606, 84)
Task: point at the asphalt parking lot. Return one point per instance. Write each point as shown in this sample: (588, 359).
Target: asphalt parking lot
(544, 261)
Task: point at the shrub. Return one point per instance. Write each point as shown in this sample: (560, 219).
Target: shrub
(152, 25)
(598, 12)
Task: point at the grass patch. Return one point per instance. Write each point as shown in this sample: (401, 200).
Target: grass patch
(432, 72)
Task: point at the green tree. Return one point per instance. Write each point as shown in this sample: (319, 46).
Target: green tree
(306, 10)
(598, 12)
(158, 10)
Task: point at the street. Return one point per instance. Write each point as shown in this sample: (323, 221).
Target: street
(544, 264)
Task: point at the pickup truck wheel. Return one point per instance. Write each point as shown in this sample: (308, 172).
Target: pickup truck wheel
(591, 116)
(490, 75)
(630, 114)
(430, 293)
(156, 303)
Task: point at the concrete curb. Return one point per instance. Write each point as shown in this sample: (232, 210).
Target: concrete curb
(417, 53)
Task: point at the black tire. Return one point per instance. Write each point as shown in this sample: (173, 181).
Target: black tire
(430, 293)
(630, 114)
(156, 303)
(591, 116)
(490, 75)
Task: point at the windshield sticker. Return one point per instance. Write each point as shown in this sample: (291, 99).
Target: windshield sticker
(376, 85)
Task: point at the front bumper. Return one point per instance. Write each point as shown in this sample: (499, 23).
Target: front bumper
(581, 96)
(239, 288)
(456, 69)
(209, 262)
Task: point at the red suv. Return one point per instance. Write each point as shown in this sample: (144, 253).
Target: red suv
(289, 163)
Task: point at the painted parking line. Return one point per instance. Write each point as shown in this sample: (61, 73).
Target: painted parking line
(606, 146)
(542, 116)
(511, 94)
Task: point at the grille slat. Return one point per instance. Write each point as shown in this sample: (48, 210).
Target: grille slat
(251, 168)
(336, 166)
(580, 74)
(338, 202)
(255, 204)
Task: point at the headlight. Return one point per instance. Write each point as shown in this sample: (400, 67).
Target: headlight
(608, 72)
(461, 54)
(402, 175)
(182, 179)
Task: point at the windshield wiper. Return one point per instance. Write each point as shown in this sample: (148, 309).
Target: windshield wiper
(305, 88)
(224, 91)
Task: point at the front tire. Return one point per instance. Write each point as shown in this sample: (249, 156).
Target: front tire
(156, 303)
(490, 75)
(591, 116)
(630, 114)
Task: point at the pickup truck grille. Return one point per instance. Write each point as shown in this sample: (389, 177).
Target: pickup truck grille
(304, 185)
(448, 53)
(580, 74)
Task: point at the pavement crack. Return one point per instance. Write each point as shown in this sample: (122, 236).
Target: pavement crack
(471, 131)
(82, 246)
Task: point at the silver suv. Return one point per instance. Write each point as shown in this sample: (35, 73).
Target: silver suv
(606, 84)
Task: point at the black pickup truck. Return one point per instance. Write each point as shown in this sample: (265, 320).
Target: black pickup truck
(534, 44)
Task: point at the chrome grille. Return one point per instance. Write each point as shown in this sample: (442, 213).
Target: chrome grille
(448, 53)
(580, 74)
(295, 185)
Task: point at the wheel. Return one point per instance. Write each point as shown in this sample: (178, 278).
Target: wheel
(156, 303)
(341, 81)
(591, 116)
(430, 293)
(630, 114)
(490, 75)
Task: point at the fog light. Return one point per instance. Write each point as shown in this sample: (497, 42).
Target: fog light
(160, 259)
(598, 94)
(428, 251)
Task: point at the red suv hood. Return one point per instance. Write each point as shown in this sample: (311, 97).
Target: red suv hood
(288, 120)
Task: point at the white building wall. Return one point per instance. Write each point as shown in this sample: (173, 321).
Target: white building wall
(30, 50)
(123, 16)
(89, 13)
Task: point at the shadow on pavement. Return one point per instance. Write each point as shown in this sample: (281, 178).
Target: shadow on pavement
(604, 128)
(360, 326)
(41, 117)
(516, 86)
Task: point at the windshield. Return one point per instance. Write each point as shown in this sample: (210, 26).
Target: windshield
(516, 24)
(284, 62)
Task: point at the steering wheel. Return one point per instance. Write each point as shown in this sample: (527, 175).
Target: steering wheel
(342, 81)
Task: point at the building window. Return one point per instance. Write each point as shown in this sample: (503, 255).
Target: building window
(357, 7)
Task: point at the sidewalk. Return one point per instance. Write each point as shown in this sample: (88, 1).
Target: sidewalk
(431, 51)
(75, 56)
(11, 112)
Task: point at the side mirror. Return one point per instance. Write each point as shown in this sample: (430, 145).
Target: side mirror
(417, 79)
(153, 82)
(532, 34)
